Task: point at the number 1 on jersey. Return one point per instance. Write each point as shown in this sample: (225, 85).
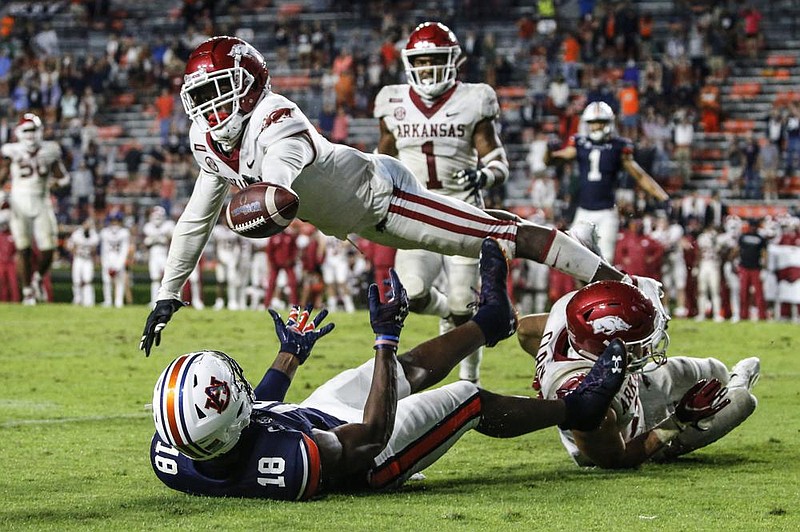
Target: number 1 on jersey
(430, 160)
(594, 166)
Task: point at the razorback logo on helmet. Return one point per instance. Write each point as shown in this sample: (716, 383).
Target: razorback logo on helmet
(239, 50)
(218, 395)
(276, 116)
(609, 325)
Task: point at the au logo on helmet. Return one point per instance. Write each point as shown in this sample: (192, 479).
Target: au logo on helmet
(609, 325)
(218, 395)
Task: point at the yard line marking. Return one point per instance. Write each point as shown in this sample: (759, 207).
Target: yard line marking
(56, 421)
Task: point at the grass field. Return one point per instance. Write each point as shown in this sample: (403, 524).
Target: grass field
(75, 437)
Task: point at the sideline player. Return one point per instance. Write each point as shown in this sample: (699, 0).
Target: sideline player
(157, 234)
(83, 244)
(243, 133)
(115, 241)
(441, 129)
(371, 427)
(601, 155)
(35, 168)
(666, 406)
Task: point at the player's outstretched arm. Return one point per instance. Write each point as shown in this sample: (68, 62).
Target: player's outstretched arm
(297, 337)
(361, 442)
(644, 179)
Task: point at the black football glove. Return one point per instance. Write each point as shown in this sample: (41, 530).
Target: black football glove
(472, 179)
(387, 318)
(703, 400)
(298, 335)
(156, 321)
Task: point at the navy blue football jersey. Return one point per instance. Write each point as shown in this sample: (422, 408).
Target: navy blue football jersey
(599, 164)
(276, 458)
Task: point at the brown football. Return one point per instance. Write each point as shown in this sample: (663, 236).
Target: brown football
(261, 210)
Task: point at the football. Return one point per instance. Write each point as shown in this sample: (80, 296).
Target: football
(261, 210)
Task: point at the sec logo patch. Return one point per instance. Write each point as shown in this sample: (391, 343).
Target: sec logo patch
(400, 113)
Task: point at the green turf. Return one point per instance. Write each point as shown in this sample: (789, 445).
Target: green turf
(75, 437)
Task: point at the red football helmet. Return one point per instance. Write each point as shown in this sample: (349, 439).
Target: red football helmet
(225, 78)
(435, 40)
(29, 131)
(602, 311)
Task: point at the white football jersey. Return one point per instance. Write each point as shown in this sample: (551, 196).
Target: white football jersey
(83, 245)
(436, 142)
(228, 245)
(114, 246)
(158, 235)
(558, 366)
(30, 171)
(335, 204)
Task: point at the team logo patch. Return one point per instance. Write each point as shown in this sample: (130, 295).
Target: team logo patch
(609, 325)
(400, 113)
(218, 395)
(212, 164)
(276, 116)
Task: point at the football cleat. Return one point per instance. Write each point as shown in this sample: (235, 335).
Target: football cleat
(745, 373)
(496, 316)
(588, 404)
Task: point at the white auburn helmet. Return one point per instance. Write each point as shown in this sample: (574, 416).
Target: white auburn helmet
(220, 72)
(201, 404)
(430, 39)
(29, 131)
(598, 112)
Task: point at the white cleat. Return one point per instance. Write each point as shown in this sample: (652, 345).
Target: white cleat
(745, 373)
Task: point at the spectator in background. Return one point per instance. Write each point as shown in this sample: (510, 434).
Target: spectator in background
(164, 106)
(709, 103)
(629, 110)
(341, 126)
(752, 167)
(558, 92)
(570, 59)
(775, 128)
(752, 30)
(734, 164)
(683, 137)
(769, 160)
(752, 254)
(792, 131)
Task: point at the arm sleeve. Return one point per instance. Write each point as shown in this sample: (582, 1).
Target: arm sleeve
(192, 232)
(286, 158)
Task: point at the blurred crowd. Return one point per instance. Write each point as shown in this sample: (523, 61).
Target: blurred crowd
(664, 88)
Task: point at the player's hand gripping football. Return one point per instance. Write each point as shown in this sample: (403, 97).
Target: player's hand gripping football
(159, 317)
(703, 400)
(387, 318)
(298, 335)
(471, 179)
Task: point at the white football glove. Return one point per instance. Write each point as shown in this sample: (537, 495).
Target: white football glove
(652, 289)
(471, 179)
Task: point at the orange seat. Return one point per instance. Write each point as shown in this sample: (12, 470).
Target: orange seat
(738, 126)
(510, 92)
(109, 132)
(745, 90)
(284, 83)
(781, 60)
(125, 99)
